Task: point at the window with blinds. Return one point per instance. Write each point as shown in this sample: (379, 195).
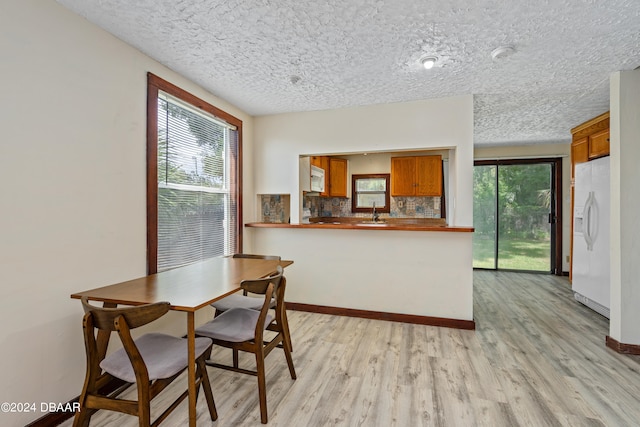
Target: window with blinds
(196, 175)
(369, 190)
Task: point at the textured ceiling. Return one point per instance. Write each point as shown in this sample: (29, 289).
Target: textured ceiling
(275, 56)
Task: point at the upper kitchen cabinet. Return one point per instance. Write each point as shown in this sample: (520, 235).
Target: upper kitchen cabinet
(335, 175)
(416, 176)
(403, 176)
(590, 140)
(580, 151)
(429, 176)
(599, 144)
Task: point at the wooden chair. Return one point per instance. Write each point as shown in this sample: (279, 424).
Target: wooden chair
(243, 300)
(151, 362)
(242, 329)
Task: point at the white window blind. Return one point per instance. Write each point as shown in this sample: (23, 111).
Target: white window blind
(369, 191)
(196, 173)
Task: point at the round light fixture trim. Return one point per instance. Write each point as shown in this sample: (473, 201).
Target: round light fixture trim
(502, 52)
(429, 62)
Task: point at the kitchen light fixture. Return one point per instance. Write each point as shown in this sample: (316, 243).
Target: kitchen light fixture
(429, 61)
(502, 52)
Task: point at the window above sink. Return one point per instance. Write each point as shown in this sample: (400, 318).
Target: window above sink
(369, 190)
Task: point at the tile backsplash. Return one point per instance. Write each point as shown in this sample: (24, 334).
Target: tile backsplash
(274, 207)
(401, 207)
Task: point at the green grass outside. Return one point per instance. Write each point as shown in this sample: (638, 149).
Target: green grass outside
(515, 253)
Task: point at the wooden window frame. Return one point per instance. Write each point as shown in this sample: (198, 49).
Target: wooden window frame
(387, 193)
(154, 85)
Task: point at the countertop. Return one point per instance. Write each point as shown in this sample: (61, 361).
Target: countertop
(403, 224)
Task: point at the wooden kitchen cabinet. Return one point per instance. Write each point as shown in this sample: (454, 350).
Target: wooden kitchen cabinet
(599, 144)
(590, 140)
(429, 176)
(579, 153)
(320, 161)
(416, 176)
(335, 175)
(403, 174)
(580, 150)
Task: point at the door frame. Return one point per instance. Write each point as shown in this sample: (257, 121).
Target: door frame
(555, 208)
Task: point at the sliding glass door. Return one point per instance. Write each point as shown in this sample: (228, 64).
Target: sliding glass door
(514, 215)
(485, 218)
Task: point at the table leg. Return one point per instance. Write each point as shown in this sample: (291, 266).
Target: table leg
(191, 370)
(102, 341)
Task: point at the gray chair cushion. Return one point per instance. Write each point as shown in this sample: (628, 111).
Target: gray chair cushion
(163, 354)
(235, 325)
(240, 301)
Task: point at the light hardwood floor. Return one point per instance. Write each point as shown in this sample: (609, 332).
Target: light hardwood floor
(537, 358)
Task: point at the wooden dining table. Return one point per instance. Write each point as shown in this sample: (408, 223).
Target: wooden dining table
(187, 289)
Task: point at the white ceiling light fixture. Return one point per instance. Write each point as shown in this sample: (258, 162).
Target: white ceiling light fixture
(502, 52)
(429, 62)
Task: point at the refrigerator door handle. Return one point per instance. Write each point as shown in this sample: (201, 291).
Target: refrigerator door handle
(587, 221)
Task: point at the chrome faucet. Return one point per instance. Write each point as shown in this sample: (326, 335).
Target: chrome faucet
(375, 217)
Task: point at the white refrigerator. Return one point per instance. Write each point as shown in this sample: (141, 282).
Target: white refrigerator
(591, 235)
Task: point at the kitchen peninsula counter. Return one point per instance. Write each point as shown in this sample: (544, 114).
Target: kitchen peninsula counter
(402, 224)
(413, 270)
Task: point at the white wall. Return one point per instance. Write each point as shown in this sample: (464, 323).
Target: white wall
(625, 207)
(72, 161)
(419, 273)
(543, 151)
(423, 273)
(430, 124)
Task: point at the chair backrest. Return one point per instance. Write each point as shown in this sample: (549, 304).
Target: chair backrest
(270, 286)
(254, 256)
(259, 286)
(120, 320)
(104, 318)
